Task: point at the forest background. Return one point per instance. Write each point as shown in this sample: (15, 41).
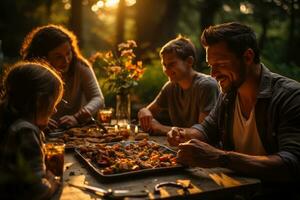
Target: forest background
(101, 25)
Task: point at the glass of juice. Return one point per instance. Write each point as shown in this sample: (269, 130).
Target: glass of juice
(54, 157)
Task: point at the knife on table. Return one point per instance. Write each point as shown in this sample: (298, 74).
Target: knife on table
(99, 124)
(116, 194)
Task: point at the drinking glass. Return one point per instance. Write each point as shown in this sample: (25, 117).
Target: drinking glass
(105, 115)
(54, 157)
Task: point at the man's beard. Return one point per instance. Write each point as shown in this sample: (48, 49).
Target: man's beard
(234, 85)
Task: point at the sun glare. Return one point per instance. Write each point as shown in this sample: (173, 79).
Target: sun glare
(67, 6)
(130, 2)
(95, 8)
(246, 8)
(111, 3)
(100, 4)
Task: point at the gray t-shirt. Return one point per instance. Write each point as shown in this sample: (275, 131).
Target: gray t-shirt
(184, 106)
(81, 90)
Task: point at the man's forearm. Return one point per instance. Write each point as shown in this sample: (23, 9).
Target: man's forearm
(192, 133)
(269, 168)
(160, 129)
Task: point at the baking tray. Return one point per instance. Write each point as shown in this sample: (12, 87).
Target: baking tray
(82, 137)
(96, 170)
(56, 133)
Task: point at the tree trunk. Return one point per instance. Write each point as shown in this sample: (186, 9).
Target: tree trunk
(48, 9)
(168, 24)
(156, 22)
(290, 44)
(76, 19)
(120, 22)
(146, 21)
(208, 10)
(264, 25)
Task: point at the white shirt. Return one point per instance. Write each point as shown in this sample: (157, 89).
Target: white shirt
(245, 135)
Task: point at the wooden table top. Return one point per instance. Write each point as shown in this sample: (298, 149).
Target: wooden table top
(214, 183)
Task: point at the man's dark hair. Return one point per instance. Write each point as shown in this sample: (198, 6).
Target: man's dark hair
(181, 46)
(237, 36)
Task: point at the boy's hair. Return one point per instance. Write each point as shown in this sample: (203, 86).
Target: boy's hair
(181, 46)
(238, 38)
(24, 84)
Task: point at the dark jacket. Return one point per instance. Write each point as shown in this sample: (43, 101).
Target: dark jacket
(277, 113)
(22, 166)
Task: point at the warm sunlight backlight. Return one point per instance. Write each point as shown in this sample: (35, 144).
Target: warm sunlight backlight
(111, 3)
(100, 4)
(95, 8)
(130, 2)
(246, 8)
(67, 6)
(226, 8)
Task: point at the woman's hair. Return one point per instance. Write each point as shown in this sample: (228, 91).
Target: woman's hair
(24, 85)
(238, 38)
(41, 40)
(181, 46)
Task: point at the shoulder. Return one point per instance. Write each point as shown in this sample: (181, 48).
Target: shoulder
(282, 84)
(23, 126)
(275, 83)
(83, 65)
(285, 94)
(204, 81)
(83, 70)
(168, 85)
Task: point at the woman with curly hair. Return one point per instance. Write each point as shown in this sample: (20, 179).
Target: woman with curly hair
(58, 46)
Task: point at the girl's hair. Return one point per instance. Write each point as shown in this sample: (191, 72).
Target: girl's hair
(24, 85)
(41, 40)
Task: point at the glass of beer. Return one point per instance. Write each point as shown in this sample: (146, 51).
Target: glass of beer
(105, 115)
(54, 158)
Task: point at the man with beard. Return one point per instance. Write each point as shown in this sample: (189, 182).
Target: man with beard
(254, 128)
(187, 97)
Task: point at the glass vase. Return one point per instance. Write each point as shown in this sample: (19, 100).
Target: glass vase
(123, 108)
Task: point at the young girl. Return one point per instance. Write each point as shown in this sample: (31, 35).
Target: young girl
(58, 46)
(31, 93)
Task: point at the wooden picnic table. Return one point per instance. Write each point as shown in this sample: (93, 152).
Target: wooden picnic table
(213, 183)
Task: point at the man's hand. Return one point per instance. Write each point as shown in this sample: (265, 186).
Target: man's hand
(158, 128)
(145, 118)
(200, 154)
(179, 135)
(176, 136)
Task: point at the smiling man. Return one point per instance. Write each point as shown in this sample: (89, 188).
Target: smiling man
(256, 119)
(186, 98)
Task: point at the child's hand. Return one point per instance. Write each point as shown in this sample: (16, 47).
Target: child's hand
(54, 181)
